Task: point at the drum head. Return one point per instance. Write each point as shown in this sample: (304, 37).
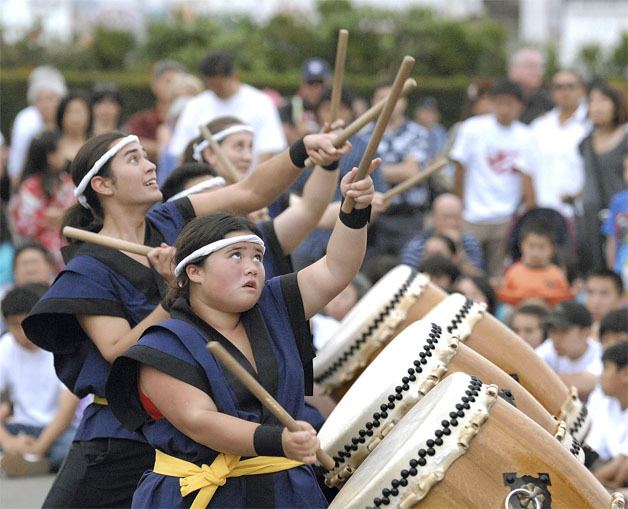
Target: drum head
(406, 369)
(422, 446)
(373, 319)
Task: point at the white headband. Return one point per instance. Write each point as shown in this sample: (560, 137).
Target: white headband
(210, 183)
(80, 189)
(238, 128)
(197, 155)
(215, 246)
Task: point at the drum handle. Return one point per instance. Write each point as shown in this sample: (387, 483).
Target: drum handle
(522, 490)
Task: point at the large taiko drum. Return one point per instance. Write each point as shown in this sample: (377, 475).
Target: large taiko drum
(463, 446)
(366, 329)
(400, 376)
(490, 338)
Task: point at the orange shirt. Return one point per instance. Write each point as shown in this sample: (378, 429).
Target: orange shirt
(521, 282)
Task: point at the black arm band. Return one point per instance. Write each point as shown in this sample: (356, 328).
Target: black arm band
(267, 440)
(332, 167)
(355, 219)
(298, 154)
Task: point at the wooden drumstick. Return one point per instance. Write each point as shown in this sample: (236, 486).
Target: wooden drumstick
(339, 72)
(227, 360)
(382, 121)
(366, 118)
(402, 187)
(103, 240)
(232, 172)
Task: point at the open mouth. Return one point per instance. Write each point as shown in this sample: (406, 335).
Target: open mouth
(151, 182)
(251, 284)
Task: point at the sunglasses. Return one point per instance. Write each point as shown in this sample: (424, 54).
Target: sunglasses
(565, 86)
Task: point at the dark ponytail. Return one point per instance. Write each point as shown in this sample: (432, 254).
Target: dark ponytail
(198, 233)
(77, 215)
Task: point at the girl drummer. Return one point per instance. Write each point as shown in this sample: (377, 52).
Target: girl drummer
(104, 299)
(191, 410)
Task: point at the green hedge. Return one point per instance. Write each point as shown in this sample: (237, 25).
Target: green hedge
(449, 91)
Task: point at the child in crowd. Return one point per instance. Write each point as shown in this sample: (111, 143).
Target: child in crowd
(45, 191)
(478, 289)
(608, 405)
(603, 291)
(37, 437)
(571, 352)
(529, 322)
(615, 229)
(535, 275)
(614, 327)
(442, 271)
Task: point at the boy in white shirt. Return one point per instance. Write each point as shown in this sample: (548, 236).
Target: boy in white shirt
(492, 154)
(608, 406)
(571, 352)
(37, 436)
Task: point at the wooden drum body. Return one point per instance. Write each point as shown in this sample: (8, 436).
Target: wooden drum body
(490, 338)
(400, 376)
(462, 446)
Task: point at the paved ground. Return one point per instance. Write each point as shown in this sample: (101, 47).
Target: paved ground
(24, 492)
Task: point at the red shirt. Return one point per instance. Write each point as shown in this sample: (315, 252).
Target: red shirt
(145, 123)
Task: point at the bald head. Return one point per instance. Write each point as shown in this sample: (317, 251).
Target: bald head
(447, 214)
(527, 68)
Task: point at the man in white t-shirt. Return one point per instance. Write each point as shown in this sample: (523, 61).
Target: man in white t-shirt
(559, 174)
(492, 154)
(227, 96)
(38, 435)
(608, 407)
(571, 352)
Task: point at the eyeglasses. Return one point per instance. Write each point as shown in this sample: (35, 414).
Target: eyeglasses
(565, 86)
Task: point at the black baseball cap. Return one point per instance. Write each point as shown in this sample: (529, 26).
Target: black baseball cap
(315, 69)
(569, 314)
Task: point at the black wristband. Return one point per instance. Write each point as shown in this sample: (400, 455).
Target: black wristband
(355, 219)
(267, 440)
(298, 153)
(333, 166)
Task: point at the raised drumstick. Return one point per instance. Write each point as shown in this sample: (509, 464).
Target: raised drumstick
(339, 72)
(382, 121)
(227, 360)
(402, 187)
(232, 172)
(103, 240)
(367, 117)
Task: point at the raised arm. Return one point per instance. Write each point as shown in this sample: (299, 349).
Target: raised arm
(322, 281)
(295, 223)
(262, 186)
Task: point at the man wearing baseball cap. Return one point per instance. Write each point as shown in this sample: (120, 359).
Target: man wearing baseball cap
(297, 112)
(571, 352)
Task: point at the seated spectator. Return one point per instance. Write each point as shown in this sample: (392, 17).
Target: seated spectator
(377, 267)
(442, 271)
(447, 220)
(529, 322)
(441, 245)
(36, 438)
(603, 293)
(614, 327)
(44, 194)
(535, 275)
(572, 353)
(608, 406)
(478, 289)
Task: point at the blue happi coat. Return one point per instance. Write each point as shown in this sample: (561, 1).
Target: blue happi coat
(277, 329)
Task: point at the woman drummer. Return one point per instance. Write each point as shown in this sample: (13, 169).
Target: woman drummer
(104, 299)
(200, 419)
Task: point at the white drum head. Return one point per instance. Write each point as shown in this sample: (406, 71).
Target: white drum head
(456, 315)
(418, 451)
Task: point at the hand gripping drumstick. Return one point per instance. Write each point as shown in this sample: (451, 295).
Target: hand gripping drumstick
(263, 396)
(380, 126)
(103, 240)
(339, 71)
(440, 162)
(367, 117)
(232, 173)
